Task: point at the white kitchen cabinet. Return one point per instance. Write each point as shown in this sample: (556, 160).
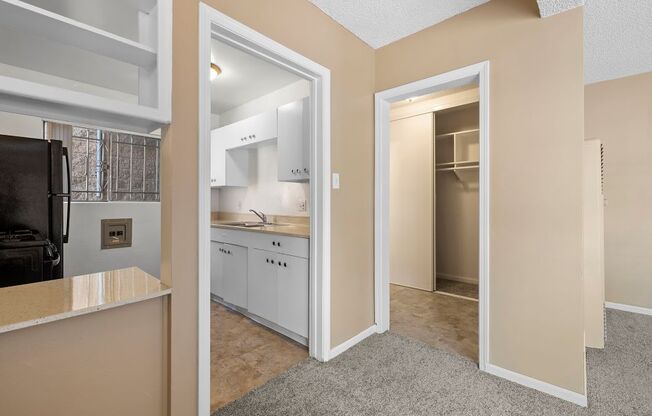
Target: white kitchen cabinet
(249, 131)
(278, 289)
(294, 141)
(128, 45)
(262, 284)
(228, 167)
(292, 293)
(217, 268)
(234, 277)
(276, 283)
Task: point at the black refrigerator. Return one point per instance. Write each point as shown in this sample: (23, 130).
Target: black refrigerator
(32, 197)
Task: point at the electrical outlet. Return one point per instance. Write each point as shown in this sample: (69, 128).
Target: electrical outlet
(302, 205)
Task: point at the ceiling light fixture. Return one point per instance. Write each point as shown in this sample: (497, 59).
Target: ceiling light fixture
(215, 71)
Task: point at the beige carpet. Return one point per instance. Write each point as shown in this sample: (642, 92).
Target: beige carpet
(392, 375)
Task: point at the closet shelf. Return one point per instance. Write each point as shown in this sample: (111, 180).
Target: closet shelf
(461, 162)
(456, 168)
(456, 133)
(24, 16)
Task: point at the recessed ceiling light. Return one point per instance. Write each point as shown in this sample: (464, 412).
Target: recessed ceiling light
(215, 71)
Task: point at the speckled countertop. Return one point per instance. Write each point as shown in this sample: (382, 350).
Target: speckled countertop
(38, 303)
(290, 230)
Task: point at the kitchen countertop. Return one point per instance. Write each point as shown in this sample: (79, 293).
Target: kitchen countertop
(38, 303)
(290, 230)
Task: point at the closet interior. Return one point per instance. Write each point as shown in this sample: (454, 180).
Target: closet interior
(434, 218)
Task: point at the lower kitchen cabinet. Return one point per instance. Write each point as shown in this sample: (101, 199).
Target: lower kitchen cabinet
(267, 275)
(217, 269)
(234, 277)
(292, 293)
(262, 284)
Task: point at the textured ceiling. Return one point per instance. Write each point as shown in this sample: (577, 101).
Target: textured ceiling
(380, 22)
(617, 39)
(617, 33)
(551, 7)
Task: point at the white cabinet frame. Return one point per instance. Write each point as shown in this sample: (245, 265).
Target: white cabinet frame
(213, 24)
(57, 103)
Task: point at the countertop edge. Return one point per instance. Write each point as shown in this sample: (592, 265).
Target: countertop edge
(259, 230)
(80, 312)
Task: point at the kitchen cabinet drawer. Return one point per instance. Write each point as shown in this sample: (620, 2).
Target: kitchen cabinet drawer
(292, 291)
(294, 141)
(262, 284)
(234, 277)
(293, 246)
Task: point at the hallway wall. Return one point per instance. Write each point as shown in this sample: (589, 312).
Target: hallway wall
(536, 136)
(619, 114)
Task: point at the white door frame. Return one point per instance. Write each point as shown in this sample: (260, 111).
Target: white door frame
(213, 24)
(473, 73)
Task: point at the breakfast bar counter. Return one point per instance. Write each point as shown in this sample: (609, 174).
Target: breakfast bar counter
(37, 303)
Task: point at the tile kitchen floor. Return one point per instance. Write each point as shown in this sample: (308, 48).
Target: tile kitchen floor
(245, 355)
(435, 319)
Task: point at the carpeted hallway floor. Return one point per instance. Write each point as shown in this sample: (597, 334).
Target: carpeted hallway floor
(392, 375)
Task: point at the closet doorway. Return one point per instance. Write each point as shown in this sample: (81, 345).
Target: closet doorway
(432, 211)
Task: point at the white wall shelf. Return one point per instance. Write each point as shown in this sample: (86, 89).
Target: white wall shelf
(148, 61)
(19, 14)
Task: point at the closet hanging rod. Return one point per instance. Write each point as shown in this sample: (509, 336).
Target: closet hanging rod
(458, 168)
(461, 162)
(457, 132)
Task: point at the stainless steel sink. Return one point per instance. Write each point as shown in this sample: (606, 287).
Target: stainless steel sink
(247, 224)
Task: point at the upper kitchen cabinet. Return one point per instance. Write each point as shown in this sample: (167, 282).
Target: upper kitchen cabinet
(252, 130)
(98, 62)
(294, 141)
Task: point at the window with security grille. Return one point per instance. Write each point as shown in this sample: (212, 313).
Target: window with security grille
(108, 165)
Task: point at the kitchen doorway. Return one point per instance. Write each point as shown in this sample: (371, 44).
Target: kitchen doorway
(217, 26)
(461, 81)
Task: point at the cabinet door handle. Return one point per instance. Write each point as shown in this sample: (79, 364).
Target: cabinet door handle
(278, 244)
(279, 264)
(273, 243)
(267, 260)
(285, 264)
(272, 261)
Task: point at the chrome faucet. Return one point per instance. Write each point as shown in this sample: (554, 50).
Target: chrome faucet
(260, 215)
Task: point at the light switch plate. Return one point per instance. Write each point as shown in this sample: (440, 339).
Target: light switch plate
(116, 233)
(336, 181)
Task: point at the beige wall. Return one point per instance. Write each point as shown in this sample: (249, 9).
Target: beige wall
(106, 363)
(619, 114)
(536, 114)
(301, 26)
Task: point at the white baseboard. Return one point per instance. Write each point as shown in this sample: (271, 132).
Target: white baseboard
(539, 385)
(351, 342)
(628, 308)
(462, 279)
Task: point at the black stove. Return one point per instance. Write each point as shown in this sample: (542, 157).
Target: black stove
(26, 257)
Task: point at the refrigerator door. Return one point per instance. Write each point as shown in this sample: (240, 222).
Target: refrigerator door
(24, 184)
(59, 164)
